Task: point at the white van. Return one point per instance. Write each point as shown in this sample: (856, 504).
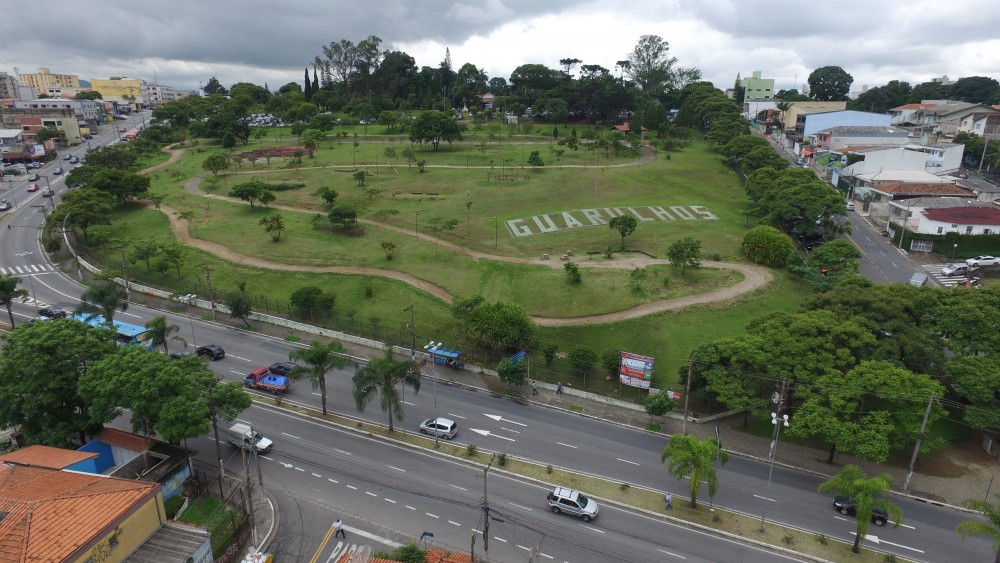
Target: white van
(241, 436)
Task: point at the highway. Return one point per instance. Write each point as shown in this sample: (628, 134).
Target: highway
(563, 439)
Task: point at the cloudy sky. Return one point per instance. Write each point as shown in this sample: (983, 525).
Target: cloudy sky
(182, 43)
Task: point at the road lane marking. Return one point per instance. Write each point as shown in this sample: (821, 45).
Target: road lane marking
(290, 436)
(546, 556)
(267, 458)
(396, 468)
(593, 529)
(317, 475)
(334, 481)
(457, 487)
(498, 418)
(300, 469)
(488, 433)
(371, 494)
(341, 451)
(390, 500)
(522, 507)
(373, 537)
(671, 554)
(498, 538)
(626, 461)
(239, 358)
(454, 523)
(524, 548)
(567, 445)
(456, 416)
(352, 487)
(765, 498)
(432, 515)
(510, 430)
(408, 403)
(410, 507)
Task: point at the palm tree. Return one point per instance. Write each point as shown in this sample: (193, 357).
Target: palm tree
(694, 458)
(990, 528)
(160, 332)
(103, 299)
(9, 292)
(380, 377)
(319, 359)
(865, 492)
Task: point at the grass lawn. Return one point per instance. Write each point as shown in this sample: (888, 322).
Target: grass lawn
(222, 522)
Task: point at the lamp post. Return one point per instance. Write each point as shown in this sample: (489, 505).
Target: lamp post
(189, 298)
(496, 232)
(432, 347)
(778, 422)
(954, 250)
(416, 216)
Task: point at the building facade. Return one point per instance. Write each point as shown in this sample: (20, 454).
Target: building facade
(852, 136)
(757, 88)
(43, 80)
(118, 89)
(87, 111)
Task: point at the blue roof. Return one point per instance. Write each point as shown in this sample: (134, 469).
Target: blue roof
(98, 321)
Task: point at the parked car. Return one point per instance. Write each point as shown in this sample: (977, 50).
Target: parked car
(959, 269)
(32, 187)
(48, 192)
(34, 177)
(850, 206)
(212, 351)
(52, 312)
(443, 427)
(848, 507)
(983, 261)
(57, 171)
(4, 205)
(34, 165)
(282, 368)
(572, 502)
(800, 161)
(121, 129)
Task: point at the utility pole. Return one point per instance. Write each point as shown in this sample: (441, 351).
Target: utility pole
(687, 393)
(486, 512)
(208, 281)
(124, 271)
(920, 438)
(413, 335)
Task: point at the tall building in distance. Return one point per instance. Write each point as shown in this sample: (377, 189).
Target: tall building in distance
(120, 89)
(757, 88)
(8, 86)
(43, 80)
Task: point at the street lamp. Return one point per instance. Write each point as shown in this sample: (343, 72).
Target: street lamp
(416, 216)
(496, 232)
(954, 250)
(432, 347)
(778, 422)
(189, 298)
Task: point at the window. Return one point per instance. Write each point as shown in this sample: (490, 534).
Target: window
(940, 230)
(113, 541)
(987, 232)
(968, 230)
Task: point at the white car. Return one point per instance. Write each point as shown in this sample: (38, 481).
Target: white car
(959, 269)
(983, 261)
(443, 427)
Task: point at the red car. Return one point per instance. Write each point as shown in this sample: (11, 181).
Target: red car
(32, 187)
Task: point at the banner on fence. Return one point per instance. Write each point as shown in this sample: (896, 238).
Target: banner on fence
(636, 370)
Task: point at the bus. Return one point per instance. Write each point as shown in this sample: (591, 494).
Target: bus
(125, 334)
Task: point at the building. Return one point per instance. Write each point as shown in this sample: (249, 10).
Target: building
(8, 86)
(859, 135)
(943, 120)
(932, 160)
(969, 220)
(88, 112)
(43, 80)
(158, 94)
(807, 124)
(30, 120)
(119, 89)
(984, 124)
(905, 115)
(757, 88)
(790, 117)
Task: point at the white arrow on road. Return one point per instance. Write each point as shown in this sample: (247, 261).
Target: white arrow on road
(487, 433)
(498, 418)
(874, 539)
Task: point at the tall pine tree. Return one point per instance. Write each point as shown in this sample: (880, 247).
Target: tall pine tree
(308, 89)
(315, 80)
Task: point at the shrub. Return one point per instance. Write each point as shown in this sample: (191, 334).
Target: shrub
(502, 459)
(471, 450)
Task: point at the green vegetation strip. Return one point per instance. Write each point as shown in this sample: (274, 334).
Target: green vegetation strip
(815, 546)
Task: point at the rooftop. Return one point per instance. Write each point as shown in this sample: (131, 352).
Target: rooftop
(913, 107)
(870, 130)
(989, 215)
(905, 188)
(912, 176)
(933, 202)
(46, 457)
(174, 542)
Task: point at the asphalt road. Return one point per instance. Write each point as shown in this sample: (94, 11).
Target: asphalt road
(883, 262)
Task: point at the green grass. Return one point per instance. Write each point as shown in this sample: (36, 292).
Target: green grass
(222, 522)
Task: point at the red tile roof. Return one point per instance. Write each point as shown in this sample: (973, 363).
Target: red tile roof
(923, 189)
(46, 456)
(914, 106)
(53, 514)
(965, 215)
(126, 440)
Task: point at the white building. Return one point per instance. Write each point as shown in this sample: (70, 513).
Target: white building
(87, 111)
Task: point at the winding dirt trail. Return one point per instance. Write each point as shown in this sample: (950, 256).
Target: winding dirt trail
(754, 277)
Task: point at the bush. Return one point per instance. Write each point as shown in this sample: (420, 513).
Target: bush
(767, 246)
(173, 505)
(471, 450)
(502, 459)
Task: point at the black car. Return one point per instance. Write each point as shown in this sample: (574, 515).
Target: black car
(848, 507)
(282, 368)
(52, 313)
(213, 351)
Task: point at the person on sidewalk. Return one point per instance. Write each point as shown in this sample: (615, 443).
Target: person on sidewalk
(558, 388)
(339, 527)
(669, 498)
(534, 388)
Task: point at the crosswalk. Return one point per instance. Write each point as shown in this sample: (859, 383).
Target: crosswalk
(946, 281)
(26, 270)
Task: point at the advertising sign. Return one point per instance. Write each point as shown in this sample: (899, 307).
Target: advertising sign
(37, 150)
(636, 370)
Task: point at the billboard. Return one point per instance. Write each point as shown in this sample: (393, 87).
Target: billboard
(37, 150)
(636, 370)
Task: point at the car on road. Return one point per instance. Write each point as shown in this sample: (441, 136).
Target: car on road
(800, 161)
(34, 165)
(48, 192)
(4, 205)
(34, 177)
(959, 269)
(443, 427)
(572, 502)
(74, 160)
(282, 368)
(57, 171)
(52, 313)
(983, 261)
(67, 156)
(32, 187)
(121, 129)
(848, 507)
(850, 206)
(211, 351)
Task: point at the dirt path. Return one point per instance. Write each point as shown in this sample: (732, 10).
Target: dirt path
(754, 277)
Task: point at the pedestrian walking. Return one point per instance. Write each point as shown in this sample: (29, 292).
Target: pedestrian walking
(534, 388)
(670, 500)
(339, 527)
(558, 388)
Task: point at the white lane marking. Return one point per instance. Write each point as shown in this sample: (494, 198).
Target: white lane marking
(300, 469)
(267, 458)
(456, 416)
(317, 393)
(488, 433)
(410, 507)
(593, 529)
(432, 515)
(237, 372)
(287, 465)
(567, 445)
(454, 523)
(290, 436)
(671, 554)
(373, 537)
(524, 548)
(498, 538)
(317, 475)
(341, 451)
(240, 358)
(334, 481)
(390, 500)
(371, 494)
(510, 430)
(498, 418)
(902, 546)
(457, 487)
(408, 403)
(626, 461)
(546, 556)
(765, 498)
(396, 468)
(522, 507)
(352, 487)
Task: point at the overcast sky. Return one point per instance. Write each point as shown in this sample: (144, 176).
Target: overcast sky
(182, 43)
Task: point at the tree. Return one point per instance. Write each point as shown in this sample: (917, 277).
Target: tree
(658, 404)
(216, 163)
(685, 253)
(145, 249)
(379, 378)
(172, 255)
(975, 89)
(239, 303)
(83, 209)
(103, 298)
(9, 292)
(582, 358)
(535, 159)
(767, 246)
(160, 332)
(650, 65)
(343, 214)
(511, 372)
(213, 87)
(975, 380)
(273, 225)
(865, 492)
(500, 325)
(311, 299)
(625, 225)
(690, 457)
(250, 192)
(359, 177)
(733, 373)
(830, 84)
(328, 196)
(49, 409)
(433, 127)
(122, 185)
(990, 528)
(319, 359)
(388, 247)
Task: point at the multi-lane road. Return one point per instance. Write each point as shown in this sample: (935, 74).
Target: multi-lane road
(388, 494)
